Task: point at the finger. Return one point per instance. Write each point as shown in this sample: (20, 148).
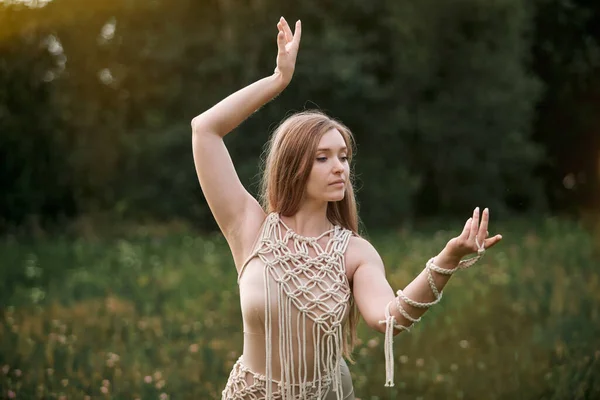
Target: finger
(491, 242)
(474, 224)
(297, 33)
(483, 227)
(464, 235)
(281, 41)
(286, 29)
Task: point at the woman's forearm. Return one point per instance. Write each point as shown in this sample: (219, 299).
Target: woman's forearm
(426, 289)
(226, 115)
(400, 315)
(420, 291)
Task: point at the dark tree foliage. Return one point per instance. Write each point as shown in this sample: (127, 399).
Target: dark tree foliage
(443, 98)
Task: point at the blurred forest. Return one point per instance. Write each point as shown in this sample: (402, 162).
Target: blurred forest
(453, 103)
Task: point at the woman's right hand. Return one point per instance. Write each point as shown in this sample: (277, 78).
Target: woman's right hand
(287, 49)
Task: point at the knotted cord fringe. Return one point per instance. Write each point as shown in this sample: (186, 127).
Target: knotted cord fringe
(390, 320)
(318, 289)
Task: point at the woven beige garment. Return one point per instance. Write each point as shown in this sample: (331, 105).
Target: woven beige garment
(295, 300)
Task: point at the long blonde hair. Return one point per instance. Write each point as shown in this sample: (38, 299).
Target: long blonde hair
(289, 159)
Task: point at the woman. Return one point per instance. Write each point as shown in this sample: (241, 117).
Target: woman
(302, 267)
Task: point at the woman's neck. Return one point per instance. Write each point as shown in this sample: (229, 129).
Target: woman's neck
(309, 221)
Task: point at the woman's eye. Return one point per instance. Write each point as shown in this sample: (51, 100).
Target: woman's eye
(324, 159)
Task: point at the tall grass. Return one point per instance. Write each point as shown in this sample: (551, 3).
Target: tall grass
(157, 316)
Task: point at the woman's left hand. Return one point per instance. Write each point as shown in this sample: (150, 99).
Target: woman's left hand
(473, 238)
(287, 49)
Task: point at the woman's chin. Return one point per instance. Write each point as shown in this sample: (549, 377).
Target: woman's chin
(336, 197)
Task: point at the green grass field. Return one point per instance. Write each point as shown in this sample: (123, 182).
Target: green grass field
(154, 315)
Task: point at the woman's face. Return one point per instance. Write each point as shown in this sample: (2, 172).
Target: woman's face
(329, 175)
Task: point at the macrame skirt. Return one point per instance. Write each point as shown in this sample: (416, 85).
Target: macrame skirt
(243, 384)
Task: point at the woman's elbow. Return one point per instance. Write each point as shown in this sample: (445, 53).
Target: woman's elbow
(380, 326)
(377, 325)
(203, 128)
(196, 124)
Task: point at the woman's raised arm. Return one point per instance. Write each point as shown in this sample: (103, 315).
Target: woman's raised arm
(237, 213)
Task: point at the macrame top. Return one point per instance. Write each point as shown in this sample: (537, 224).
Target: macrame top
(295, 299)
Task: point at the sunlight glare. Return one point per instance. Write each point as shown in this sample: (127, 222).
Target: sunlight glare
(108, 30)
(27, 3)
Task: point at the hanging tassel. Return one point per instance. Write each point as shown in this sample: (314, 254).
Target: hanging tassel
(390, 324)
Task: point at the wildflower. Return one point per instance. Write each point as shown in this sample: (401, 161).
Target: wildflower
(50, 371)
(194, 348)
(453, 367)
(112, 359)
(372, 343)
(420, 362)
(11, 394)
(65, 382)
(403, 359)
(5, 369)
(464, 344)
(160, 384)
(164, 396)
(104, 389)
(157, 375)
(148, 379)
(105, 382)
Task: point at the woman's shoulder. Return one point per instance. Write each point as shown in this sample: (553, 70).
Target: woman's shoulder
(360, 244)
(359, 252)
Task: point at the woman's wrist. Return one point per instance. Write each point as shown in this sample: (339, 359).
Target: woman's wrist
(280, 80)
(446, 259)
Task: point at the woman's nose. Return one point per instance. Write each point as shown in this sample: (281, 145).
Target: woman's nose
(338, 165)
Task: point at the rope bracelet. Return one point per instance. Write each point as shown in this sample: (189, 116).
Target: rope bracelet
(390, 321)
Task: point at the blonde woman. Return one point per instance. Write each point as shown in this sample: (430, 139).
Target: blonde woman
(304, 272)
